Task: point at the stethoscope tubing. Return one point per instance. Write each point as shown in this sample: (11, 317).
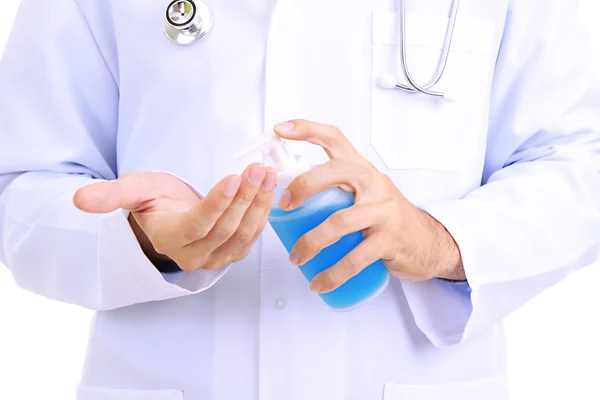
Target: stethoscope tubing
(441, 68)
(199, 23)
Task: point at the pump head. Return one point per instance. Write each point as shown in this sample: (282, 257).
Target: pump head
(277, 155)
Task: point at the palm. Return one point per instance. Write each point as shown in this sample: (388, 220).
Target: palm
(172, 222)
(145, 193)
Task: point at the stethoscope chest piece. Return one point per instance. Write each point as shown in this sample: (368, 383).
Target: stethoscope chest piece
(187, 21)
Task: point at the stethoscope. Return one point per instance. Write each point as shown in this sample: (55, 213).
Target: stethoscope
(188, 21)
(389, 82)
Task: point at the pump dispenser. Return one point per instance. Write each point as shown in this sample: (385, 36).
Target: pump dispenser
(277, 155)
(292, 225)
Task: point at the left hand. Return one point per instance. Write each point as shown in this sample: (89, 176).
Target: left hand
(411, 243)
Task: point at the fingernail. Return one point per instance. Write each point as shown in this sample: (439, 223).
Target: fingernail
(285, 199)
(256, 175)
(316, 287)
(295, 257)
(284, 127)
(270, 180)
(232, 186)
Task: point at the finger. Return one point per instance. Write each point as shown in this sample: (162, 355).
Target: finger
(189, 261)
(330, 138)
(186, 228)
(243, 252)
(129, 192)
(331, 174)
(229, 221)
(253, 220)
(197, 234)
(349, 220)
(363, 255)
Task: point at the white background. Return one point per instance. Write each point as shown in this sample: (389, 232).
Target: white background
(554, 349)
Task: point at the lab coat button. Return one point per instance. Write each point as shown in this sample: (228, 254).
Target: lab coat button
(280, 303)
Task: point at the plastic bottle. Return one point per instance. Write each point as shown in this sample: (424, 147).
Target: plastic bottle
(292, 225)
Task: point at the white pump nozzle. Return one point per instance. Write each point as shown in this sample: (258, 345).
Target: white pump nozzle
(287, 165)
(263, 143)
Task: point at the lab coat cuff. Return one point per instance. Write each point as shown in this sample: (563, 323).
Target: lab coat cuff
(443, 310)
(440, 309)
(449, 316)
(459, 221)
(126, 271)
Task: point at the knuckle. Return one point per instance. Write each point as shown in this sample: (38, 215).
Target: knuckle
(193, 232)
(244, 236)
(190, 235)
(211, 265)
(309, 243)
(211, 203)
(258, 233)
(237, 256)
(302, 183)
(243, 253)
(335, 135)
(354, 264)
(385, 180)
(190, 226)
(246, 196)
(339, 164)
(222, 233)
(332, 278)
(210, 262)
(365, 174)
(202, 231)
(187, 265)
(262, 202)
(341, 219)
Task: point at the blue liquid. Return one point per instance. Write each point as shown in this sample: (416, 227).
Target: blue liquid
(291, 226)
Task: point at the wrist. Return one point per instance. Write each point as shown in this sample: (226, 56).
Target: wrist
(162, 262)
(447, 263)
(451, 266)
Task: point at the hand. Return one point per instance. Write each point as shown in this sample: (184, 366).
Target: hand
(411, 243)
(173, 223)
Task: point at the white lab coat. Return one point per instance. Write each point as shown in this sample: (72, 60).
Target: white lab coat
(90, 90)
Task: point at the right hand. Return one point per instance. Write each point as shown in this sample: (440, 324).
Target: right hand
(172, 223)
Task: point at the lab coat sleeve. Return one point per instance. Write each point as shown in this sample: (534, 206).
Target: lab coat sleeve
(58, 132)
(536, 218)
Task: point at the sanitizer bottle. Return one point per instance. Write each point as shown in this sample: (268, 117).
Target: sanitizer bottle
(292, 225)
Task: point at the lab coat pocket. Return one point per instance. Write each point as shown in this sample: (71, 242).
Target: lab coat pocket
(494, 388)
(412, 131)
(85, 392)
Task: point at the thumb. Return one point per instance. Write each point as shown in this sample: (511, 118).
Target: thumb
(128, 192)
